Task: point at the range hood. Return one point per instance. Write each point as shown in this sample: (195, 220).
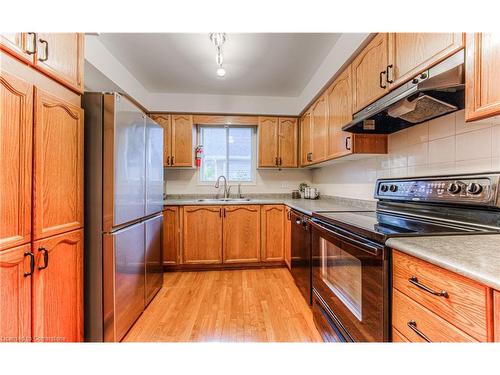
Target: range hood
(433, 93)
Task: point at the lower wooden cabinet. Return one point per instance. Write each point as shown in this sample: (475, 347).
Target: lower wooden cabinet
(15, 294)
(171, 235)
(273, 233)
(496, 315)
(288, 237)
(241, 234)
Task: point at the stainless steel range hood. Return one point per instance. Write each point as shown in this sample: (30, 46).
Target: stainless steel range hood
(433, 93)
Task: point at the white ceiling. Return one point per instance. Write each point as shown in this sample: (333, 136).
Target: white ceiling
(257, 64)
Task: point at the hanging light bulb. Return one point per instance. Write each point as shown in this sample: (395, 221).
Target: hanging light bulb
(218, 40)
(221, 72)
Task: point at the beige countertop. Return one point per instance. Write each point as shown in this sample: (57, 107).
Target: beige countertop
(474, 256)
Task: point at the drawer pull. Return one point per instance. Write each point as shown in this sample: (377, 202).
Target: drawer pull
(415, 282)
(413, 326)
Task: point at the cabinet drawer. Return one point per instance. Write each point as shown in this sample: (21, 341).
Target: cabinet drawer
(431, 326)
(465, 304)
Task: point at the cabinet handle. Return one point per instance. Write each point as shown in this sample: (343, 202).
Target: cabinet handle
(172, 160)
(309, 156)
(220, 212)
(223, 212)
(289, 215)
(414, 281)
(168, 160)
(45, 50)
(32, 263)
(381, 79)
(413, 326)
(45, 258)
(276, 161)
(347, 143)
(33, 44)
(389, 76)
(280, 160)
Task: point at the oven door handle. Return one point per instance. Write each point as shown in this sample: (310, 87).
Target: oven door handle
(373, 250)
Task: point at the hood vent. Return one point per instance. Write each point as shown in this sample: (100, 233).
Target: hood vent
(435, 92)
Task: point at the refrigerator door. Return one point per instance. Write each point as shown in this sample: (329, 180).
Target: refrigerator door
(154, 167)
(123, 280)
(154, 267)
(129, 159)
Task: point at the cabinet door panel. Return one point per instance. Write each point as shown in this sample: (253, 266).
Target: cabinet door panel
(288, 238)
(164, 120)
(58, 166)
(482, 86)
(15, 294)
(57, 289)
(319, 130)
(16, 126)
(202, 235)
(268, 141)
(171, 233)
(241, 234)
(61, 56)
(368, 84)
(182, 141)
(305, 139)
(273, 233)
(288, 142)
(18, 44)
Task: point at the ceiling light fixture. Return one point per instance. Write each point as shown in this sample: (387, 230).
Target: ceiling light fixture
(218, 40)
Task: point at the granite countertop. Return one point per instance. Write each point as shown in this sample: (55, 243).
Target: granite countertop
(474, 256)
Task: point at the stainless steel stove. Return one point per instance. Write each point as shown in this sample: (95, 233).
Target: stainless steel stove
(351, 264)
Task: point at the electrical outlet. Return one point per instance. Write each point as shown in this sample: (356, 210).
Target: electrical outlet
(285, 185)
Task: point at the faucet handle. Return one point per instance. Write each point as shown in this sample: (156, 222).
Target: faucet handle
(228, 190)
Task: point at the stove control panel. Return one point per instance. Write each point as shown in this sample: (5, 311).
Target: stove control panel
(463, 189)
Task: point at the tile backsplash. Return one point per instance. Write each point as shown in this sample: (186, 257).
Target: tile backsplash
(440, 146)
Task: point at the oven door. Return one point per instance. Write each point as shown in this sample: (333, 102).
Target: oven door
(350, 282)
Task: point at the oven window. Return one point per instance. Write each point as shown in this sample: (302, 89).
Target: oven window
(342, 273)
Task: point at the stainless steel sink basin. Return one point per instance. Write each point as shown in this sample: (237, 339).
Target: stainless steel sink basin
(215, 200)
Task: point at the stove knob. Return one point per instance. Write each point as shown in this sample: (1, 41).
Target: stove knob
(474, 188)
(384, 188)
(454, 188)
(393, 188)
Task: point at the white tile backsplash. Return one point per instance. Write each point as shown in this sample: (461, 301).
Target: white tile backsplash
(495, 141)
(473, 145)
(418, 133)
(442, 150)
(442, 127)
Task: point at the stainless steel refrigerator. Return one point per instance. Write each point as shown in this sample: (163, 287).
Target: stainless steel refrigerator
(123, 214)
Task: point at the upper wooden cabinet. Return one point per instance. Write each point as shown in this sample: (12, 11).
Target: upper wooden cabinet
(306, 139)
(482, 82)
(58, 166)
(412, 53)
(278, 142)
(171, 235)
(15, 292)
(16, 127)
(178, 136)
(319, 130)
(241, 234)
(20, 45)
(273, 233)
(58, 288)
(369, 72)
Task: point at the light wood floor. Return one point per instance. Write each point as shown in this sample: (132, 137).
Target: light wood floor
(257, 305)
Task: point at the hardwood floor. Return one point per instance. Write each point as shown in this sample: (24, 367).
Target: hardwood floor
(255, 305)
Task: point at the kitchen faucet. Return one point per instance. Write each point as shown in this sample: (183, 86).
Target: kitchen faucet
(226, 191)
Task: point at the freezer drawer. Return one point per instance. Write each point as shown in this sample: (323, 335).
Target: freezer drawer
(154, 167)
(154, 266)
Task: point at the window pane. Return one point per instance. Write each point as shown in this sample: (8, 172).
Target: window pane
(240, 154)
(214, 153)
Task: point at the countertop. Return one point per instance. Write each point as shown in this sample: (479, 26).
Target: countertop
(474, 256)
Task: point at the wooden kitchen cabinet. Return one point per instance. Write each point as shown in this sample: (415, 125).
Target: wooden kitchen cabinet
(496, 315)
(369, 72)
(165, 122)
(288, 237)
(58, 288)
(202, 235)
(60, 55)
(305, 139)
(319, 130)
(16, 126)
(58, 166)
(178, 136)
(273, 233)
(20, 45)
(288, 142)
(278, 142)
(241, 243)
(412, 53)
(171, 235)
(482, 81)
(15, 294)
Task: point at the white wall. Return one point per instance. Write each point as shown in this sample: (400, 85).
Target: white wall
(441, 146)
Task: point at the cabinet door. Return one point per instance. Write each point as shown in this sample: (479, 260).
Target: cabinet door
(60, 55)
(15, 294)
(21, 45)
(241, 234)
(319, 130)
(482, 82)
(369, 72)
(171, 233)
(412, 53)
(16, 126)
(288, 237)
(287, 142)
(58, 288)
(305, 139)
(273, 233)
(58, 166)
(268, 141)
(164, 121)
(182, 141)
(202, 235)
(339, 101)
(496, 315)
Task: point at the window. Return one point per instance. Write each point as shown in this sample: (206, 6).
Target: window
(227, 151)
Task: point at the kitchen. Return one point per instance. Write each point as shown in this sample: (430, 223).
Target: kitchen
(250, 187)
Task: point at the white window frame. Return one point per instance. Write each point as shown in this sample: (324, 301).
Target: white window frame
(254, 153)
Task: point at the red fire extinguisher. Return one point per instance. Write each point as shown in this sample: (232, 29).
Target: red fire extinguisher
(197, 158)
